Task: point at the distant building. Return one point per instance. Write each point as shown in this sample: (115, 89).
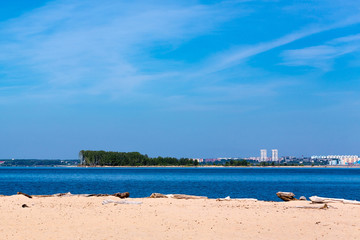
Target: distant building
(334, 162)
(341, 159)
(288, 158)
(253, 158)
(263, 155)
(274, 155)
(199, 160)
(208, 160)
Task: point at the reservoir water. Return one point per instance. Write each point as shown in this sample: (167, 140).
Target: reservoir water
(260, 183)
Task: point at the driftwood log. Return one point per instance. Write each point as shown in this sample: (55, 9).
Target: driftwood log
(158, 195)
(26, 195)
(107, 201)
(122, 195)
(183, 196)
(325, 206)
(316, 199)
(176, 196)
(286, 196)
(119, 195)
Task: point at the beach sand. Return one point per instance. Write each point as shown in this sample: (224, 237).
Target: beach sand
(86, 218)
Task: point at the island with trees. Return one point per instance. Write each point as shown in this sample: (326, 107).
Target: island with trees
(103, 158)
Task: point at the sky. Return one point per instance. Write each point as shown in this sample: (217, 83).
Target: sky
(198, 79)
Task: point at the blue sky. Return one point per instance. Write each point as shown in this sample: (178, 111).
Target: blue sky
(179, 78)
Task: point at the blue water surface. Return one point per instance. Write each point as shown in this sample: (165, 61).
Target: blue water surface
(260, 183)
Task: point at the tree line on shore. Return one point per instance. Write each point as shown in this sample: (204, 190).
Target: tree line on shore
(37, 162)
(240, 162)
(103, 158)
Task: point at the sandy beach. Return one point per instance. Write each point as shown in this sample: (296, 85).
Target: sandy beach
(87, 218)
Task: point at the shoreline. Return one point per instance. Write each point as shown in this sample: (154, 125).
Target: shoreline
(184, 166)
(77, 217)
(307, 167)
(98, 166)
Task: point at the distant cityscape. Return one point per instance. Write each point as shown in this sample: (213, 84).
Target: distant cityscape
(332, 160)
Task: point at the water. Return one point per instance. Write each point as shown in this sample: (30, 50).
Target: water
(260, 183)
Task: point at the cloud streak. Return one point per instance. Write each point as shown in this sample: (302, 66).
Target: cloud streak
(98, 47)
(237, 55)
(322, 56)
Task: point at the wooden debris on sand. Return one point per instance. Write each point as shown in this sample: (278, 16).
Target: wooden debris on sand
(26, 195)
(122, 195)
(316, 199)
(224, 199)
(176, 196)
(68, 194)
(119, 195)
(107, 201)
(325, 206)
(286, 196)
(237, 199)
(183, 196)
(158, 195)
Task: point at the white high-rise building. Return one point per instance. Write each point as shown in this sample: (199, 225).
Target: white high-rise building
(263, 155)
(274, 155)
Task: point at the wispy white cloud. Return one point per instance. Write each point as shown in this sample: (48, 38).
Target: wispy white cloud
(346, 39)
(99, 47)
(322, 56)
(240, 54)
